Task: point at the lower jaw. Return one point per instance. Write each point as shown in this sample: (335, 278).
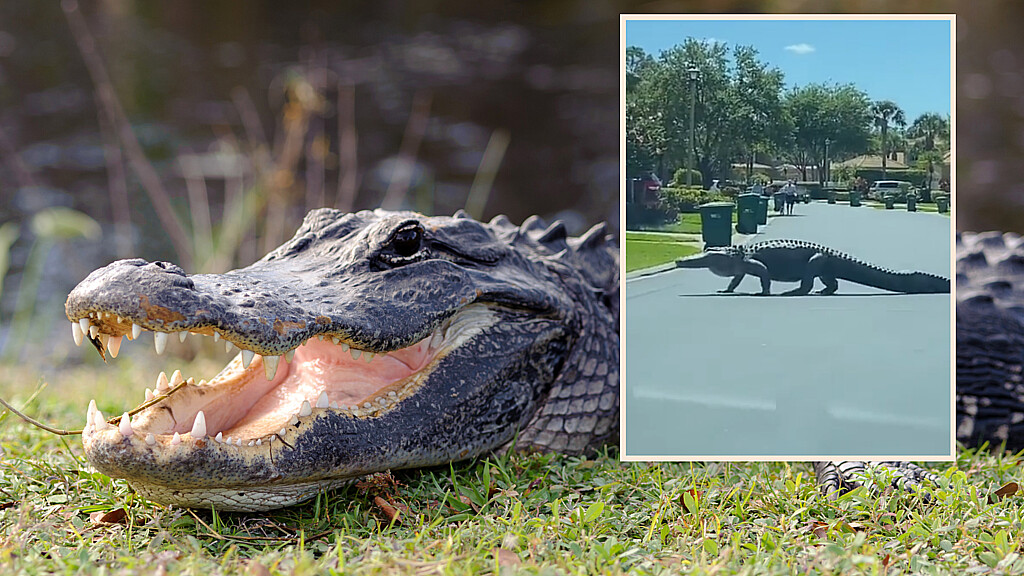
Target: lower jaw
(248, 499)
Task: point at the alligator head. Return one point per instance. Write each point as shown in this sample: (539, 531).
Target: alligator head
(369, 341)
(721, 260)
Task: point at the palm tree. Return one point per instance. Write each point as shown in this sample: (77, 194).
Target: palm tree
(927, 129)
(884, 112)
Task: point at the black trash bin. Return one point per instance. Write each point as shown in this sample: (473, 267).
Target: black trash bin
(854, 197)
(890, 201)
(716, 223)
(746, 215)
(762, 209)
(911, 202)
(942, 203)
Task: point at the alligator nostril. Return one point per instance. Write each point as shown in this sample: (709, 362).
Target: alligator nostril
(167, 267)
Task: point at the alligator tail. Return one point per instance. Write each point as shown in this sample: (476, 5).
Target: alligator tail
(905, 281)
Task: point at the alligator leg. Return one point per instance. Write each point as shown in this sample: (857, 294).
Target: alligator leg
(814, 268)
(837, 478)
(831, 284)
(756, 268)
(733, 284)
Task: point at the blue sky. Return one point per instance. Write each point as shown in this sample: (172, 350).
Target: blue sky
(905, 61)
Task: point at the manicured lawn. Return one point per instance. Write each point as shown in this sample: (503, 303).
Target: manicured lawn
(689, 224)
(647, 250)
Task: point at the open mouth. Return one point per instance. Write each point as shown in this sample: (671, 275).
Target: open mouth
(256, 399)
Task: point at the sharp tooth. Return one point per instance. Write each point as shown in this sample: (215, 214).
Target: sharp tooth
(294, 419)
(125, 426)
(367, 405)
(355, 353)
(289, 355)
(238, 441)
(334, 405)
(219, 437)
(191, 381)
(182, 335)
(436, 339)
(270, 363)
(160, 340)
(335, 339)
(247, 356)
(176, 439)
(306, 409)
(259, 441)
(320, 337)
(228, 346)
(392, 394)
(118, 319)
(321, 400)
(251, 443)
(344, 347)
(368, 356)
(229, 440)
(282, 432)
(150, 439)
(90, 414)
(216, 336)
(199, 426)
(93, 331)
(149, 394)
(76, 333)
(161, 382)
(114, 346)
(136, 330)
(83, 323)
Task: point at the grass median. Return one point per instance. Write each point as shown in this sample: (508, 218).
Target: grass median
(648, 249)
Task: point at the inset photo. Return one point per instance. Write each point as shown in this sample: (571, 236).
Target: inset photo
(788, 194)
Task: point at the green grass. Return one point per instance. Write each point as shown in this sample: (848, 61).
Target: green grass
(647, 250)
(537, 514)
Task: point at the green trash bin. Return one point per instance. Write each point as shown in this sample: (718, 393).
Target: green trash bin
(746, 213)
(780, 201)
(942, 203)
(911, 202)
(854, 197)
(890, 201)
(716, 223)
(831, 196)
(762, 209)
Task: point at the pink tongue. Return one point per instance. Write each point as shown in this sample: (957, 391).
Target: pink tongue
(318, 366)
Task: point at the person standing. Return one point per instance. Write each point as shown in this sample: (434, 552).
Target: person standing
(789, 190)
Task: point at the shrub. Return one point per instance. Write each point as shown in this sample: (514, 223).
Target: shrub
(679, 178)
(686, 200)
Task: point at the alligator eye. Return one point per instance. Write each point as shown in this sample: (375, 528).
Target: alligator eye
(407, 241)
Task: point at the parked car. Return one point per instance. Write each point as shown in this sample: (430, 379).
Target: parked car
(646, 190)
(880, 188)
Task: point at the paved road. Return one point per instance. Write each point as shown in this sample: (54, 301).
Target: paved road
(860, 373)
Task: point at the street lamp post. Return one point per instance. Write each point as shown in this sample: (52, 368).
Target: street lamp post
(825, 169)
(694, 74)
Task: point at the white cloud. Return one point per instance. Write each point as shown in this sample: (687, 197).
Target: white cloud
(802, 48)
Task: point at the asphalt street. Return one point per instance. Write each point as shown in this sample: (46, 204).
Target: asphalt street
(863, 372)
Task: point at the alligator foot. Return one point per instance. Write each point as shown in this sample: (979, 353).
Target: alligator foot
(837, 478)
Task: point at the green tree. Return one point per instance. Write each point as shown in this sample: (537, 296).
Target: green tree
(840, 114)
(886, 113)
(929, 134)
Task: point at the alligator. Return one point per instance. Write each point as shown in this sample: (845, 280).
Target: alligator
(801, 261)
(407, 341)
(990, 339)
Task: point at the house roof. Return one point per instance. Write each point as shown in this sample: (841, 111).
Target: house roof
(870, 161)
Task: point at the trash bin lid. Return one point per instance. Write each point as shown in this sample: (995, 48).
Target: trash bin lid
(718, 205)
